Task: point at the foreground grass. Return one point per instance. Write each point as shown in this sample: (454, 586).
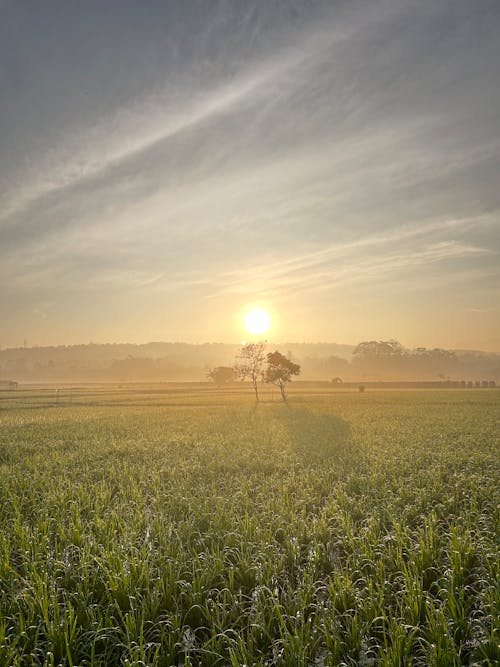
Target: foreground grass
(144, 528)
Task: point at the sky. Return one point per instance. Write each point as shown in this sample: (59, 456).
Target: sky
(165, 166)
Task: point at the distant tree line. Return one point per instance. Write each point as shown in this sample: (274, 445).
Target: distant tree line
(390, 358)
(369, 361)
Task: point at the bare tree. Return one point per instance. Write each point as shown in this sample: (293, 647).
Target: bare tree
(249, 364)
(279, 371)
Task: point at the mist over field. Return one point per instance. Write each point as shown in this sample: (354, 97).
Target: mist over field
(185, 362)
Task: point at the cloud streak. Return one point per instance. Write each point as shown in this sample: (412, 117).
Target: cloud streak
(135, 130)
(358, 261)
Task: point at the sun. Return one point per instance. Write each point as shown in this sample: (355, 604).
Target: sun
(257, 321)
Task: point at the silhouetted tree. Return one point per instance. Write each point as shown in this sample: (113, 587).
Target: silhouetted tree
(222, 375)
(279, 371)
(390, 359)
(378, 349)
(249, 364)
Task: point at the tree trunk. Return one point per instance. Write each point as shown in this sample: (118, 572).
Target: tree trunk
(282, 389)
(256, 390)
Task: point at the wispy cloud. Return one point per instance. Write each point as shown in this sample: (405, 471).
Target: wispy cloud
(271, 273)
(134, 130)
(342, 265)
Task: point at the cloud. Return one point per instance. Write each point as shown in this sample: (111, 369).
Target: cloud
(367, 259)
(299, 265)
(132, 131)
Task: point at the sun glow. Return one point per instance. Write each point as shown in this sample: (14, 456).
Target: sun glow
(257, 321)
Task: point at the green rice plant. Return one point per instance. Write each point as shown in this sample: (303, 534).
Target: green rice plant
(182, 526)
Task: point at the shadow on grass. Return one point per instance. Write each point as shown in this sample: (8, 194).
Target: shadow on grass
(317, 436)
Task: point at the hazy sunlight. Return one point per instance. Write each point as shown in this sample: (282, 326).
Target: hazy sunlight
(257, 321)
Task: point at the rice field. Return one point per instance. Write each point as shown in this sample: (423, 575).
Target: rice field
(184, 525)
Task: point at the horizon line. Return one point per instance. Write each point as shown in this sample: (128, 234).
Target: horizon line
(239, 344)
